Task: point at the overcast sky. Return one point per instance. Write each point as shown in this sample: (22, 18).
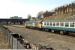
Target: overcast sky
(22, 8)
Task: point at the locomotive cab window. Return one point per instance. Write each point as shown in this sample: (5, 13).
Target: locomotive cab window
(71, 24)
(67, 24)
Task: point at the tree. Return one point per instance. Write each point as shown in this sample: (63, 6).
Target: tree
(29, 17)
(40, 15)
(34, 18)
(47, 14)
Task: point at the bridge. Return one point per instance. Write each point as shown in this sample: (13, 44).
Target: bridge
(12, 21)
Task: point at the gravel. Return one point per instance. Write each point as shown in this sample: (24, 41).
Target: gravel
(56, 41)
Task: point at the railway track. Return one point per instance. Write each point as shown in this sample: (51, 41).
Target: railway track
(56, 41)
(56, 32)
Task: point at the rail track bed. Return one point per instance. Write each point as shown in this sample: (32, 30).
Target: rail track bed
(56, 41)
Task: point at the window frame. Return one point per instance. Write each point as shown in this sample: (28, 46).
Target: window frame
(73, 24)
(45, 23)
(62, 24)
(54, 24)
(50, 23)
(66, 24)
(57, 23)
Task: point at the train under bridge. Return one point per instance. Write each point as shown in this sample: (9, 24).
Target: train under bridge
(12, 21)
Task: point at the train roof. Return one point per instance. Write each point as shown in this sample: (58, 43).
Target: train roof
(59, 20)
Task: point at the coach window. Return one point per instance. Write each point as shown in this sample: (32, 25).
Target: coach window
(54, 24)
(44, 23)
(47, 23)
(57, 24)
(50, 23)
(72, 24)
(67, 24)
(61, 24)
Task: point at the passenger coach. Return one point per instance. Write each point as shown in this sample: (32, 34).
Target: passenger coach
(62, 26)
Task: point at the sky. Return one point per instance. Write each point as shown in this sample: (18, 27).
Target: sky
(23, 8)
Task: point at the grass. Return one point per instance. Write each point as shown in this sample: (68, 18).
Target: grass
(3, 39)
